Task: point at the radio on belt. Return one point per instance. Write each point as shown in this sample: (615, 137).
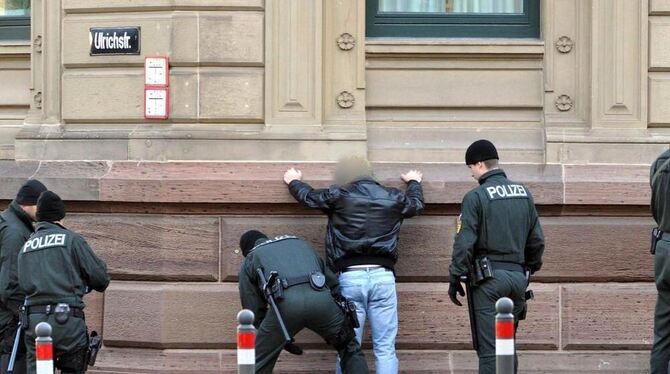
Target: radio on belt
(156, 87)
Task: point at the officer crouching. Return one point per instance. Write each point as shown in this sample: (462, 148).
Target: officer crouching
(287, 277)
(56, 269)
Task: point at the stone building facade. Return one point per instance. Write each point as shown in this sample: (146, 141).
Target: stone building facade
(578, 110)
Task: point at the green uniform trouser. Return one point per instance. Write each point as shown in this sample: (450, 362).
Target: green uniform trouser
(70, 343)
(510, 284)
(660, 353)
(301, 308)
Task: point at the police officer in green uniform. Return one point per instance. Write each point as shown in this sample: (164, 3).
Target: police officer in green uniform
(660, 208)
(499, 227)
(56, 269)
(16, 225)
(309, 291)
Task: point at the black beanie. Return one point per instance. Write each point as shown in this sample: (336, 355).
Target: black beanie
(481, 150)
(249, 239)
(50, 207)
(30, 192)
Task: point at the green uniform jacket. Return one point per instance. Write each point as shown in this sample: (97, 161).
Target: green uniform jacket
(15, 228)
(56, 265)
(660, 204)
(498, 219)
(287, 255)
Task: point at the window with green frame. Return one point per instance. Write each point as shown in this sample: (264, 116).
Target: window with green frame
(14, 20)
(453, 18)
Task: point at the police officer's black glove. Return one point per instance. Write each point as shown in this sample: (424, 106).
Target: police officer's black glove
(456, 287)
(292, 348)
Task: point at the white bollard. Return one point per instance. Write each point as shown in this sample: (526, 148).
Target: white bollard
(505, 349)
(246, 342)
(44, 352)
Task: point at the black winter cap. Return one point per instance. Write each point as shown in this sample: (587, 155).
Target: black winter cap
(249, 239)
(481, 150)
(30, 192)
(50, 207)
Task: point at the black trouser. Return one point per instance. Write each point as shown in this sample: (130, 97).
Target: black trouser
(303, 307)
(505, 283)
(7, 338)
(70, 343)
(660, 352)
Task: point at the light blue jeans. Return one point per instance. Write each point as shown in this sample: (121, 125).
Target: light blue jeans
(373, 291)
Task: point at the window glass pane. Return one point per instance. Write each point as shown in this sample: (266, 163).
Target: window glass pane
(452, 6)
(14, 8)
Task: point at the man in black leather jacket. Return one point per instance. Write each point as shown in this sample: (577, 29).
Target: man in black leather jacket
(364, 219)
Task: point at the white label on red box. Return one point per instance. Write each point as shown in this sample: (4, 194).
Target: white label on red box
(156, 102)
(156, 71)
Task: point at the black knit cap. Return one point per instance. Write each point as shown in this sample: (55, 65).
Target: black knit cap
(249, 239)
(481, 150)
(50, 207)
(30, 192)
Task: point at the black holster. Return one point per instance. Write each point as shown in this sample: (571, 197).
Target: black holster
(94, 345)
(481, 271)
(656, 235)
(349, 309)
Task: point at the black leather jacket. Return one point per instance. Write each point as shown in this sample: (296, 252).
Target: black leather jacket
(364, 219)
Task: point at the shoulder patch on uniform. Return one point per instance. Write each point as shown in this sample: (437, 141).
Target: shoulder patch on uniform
(46, 241)
(506, 191)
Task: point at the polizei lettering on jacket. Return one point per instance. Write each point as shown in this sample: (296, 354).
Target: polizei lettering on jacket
(506, 191)
(117, 40)
(46, 241)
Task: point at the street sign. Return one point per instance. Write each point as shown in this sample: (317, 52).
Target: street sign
(114, 41)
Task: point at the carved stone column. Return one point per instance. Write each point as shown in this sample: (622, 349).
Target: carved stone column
(293, 73)
(619, 64)
(344, 65)
(315, 57)
(567, 35)
(45, 107)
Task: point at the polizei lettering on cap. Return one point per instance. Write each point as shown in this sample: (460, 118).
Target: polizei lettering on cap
(103, 40)
(506, 191)
(46, 241)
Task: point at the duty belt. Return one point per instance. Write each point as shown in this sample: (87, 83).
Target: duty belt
(295, 281)
(316, 279)
(49, 309)
(509, 266)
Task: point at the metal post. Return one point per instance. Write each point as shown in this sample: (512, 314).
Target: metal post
(246, 342)
(505, 350)
(44, 349)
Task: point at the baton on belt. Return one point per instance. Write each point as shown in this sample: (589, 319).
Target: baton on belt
(267, 286)
(471, 312)
(17, 337)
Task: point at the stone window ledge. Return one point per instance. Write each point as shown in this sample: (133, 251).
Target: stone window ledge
(454, 46)
(14, 48)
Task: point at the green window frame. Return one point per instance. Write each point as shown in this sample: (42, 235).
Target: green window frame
(439, 25)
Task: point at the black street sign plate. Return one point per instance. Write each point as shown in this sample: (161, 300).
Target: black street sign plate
(115, 41)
